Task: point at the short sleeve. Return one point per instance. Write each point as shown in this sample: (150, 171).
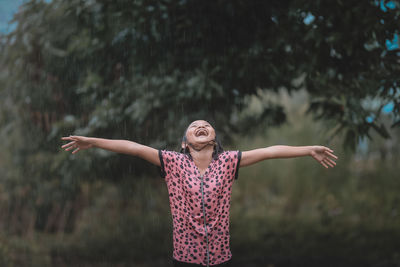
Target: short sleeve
(238, 157)
(168, 160)
(231, 161)
(162, 169)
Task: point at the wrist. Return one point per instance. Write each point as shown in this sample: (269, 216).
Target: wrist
(311, 150)
(91, 141)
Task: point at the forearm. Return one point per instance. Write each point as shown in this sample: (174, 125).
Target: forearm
(118, 146)
(280, 151)
(127, 147)
(274, 152)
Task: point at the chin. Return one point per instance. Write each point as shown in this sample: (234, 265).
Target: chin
(203, 138)
(200, 140)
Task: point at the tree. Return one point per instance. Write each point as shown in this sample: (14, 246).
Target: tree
(142, 70)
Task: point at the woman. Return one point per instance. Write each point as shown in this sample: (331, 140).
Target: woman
(199, 181)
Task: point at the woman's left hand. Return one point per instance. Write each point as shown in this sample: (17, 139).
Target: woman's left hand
(324, 155)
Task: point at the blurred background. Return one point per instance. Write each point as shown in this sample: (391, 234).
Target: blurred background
(263, 72)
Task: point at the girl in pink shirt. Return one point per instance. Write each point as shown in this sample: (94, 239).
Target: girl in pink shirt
(199, 181)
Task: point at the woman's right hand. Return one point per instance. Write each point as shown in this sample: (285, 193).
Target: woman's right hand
(77, 143)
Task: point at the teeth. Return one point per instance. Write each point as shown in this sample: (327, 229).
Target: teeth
(201, 132)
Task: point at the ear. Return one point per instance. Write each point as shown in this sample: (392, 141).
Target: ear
(183, 145)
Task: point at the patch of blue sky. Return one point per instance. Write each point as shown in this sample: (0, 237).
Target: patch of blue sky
(7, 10)
(7, 27)
(389, 4)
(363, 142)
(384, 6)
(370, 118)
(388, 108)
(394, 44)
(309, 18)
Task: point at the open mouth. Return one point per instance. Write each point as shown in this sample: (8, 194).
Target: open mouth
(201, 132)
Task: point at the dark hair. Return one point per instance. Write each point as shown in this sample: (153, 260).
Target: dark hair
(218, 149)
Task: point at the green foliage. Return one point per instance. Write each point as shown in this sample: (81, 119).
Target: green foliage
(16, 251)
(136, 224)
(102, 64)
(295, 212)
(142, 70)
(284, 212)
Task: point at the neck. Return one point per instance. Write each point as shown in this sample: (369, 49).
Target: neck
(203, 156)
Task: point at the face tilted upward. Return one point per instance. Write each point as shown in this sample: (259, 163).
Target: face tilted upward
(200, 132)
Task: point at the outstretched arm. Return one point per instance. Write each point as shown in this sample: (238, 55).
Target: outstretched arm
(120, 146)
(323, 155)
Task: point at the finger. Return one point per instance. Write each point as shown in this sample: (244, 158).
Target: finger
(330, 150)
(323, 163)
(331, 155)
(69, 144)
(334, 163)
(328, 163)
(69, 148)
(69, 138)
(76, 150)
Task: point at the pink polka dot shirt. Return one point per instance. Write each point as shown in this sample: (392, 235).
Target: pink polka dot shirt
(200, 206)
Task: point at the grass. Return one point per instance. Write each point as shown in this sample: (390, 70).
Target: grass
(287, 212)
